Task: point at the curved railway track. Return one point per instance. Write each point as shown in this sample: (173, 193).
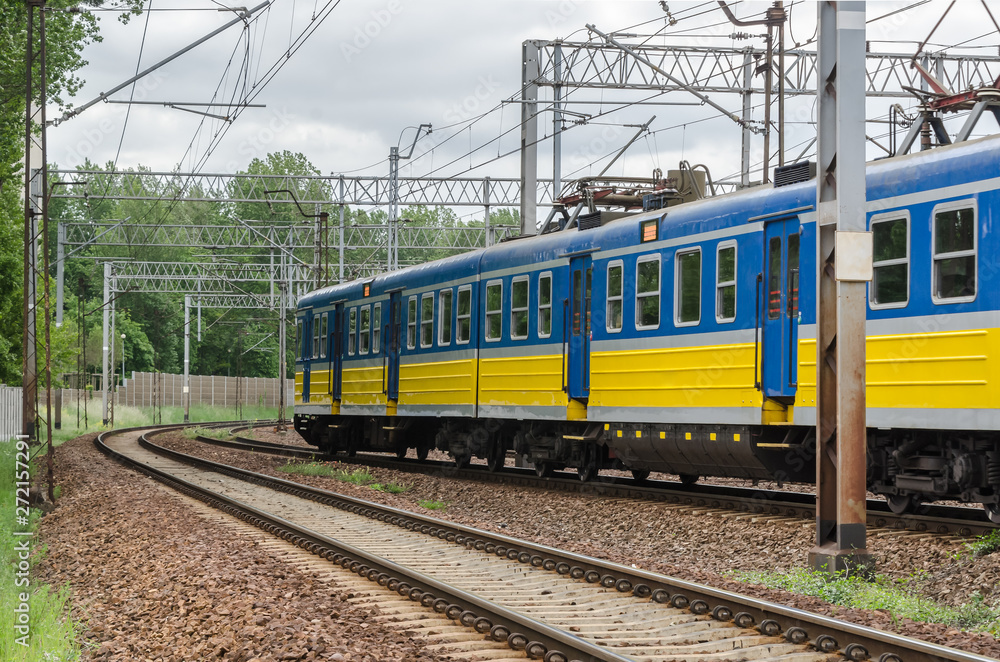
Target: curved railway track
(542, 602)
(943, 520)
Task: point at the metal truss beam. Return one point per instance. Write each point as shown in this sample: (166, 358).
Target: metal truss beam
(200, 278)
(359, 191)
(599, 65)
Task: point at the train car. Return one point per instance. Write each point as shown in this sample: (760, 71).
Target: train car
(683, 340)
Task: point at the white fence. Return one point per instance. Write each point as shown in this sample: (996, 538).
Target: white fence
(145, 389)
(10, 411)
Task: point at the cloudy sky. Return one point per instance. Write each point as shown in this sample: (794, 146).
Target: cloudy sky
(370, 69)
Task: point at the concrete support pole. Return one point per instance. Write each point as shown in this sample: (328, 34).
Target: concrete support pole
(105, 343)
(282, 358)
(747, 116)
(488, 239)
(60, 271)
(844, 260)
(556, 120)
(392, 251)
(529, 137)
(186, 388)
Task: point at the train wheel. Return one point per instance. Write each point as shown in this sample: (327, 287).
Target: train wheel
(401, 453)
(993, 512)
(689, 479)
(497, 456)
(640, 475)
(543, 469)
(901, 503)
(422, 452)
(462, 461)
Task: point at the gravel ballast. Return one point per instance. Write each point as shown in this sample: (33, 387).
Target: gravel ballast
(151, 580)
(673, 540)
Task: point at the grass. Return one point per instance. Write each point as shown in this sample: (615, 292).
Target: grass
(52, 633)
(985, 545)
(432, 504)
(335, 470)
(127, 417)
(895, 596)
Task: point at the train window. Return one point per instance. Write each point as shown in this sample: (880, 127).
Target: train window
(955, 252)
(427, 320)
(322, 337)
(545, 305)
(352, 338)
(890, 286)
(376, 328)
(494, 310)
(725, 283)
(444, 313)
(411, 323)
(315, 330)
(464, 315)
(615, 284)
(298, 337)
(687, 298)
(519, 308)
(647, 292)
(364, 331)
(774, 278)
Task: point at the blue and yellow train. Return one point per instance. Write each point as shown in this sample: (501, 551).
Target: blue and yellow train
(683, 340)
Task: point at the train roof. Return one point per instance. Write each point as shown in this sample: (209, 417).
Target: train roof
(887, 178)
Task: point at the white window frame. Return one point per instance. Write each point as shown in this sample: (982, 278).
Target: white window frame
(377, 328)
(364, 335)
(902, 214)
(541, 306)
(608, 299)
(659, 292)
(527, 306)
(412, 309)
(425, 297)
(966, 203)
(352, 327)
(729, 283)
(315, 336)
(487, 312)
(677, 284)
(459, 317)
(441, 316)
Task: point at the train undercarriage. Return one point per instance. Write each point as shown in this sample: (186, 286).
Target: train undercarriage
(907, 467)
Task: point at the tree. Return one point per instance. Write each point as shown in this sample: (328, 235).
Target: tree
(66, 35)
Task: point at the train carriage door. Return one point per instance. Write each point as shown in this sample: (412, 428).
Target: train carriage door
(307, 354)
(391, 338)
(336, 352)
(578, 362)
(779, 360)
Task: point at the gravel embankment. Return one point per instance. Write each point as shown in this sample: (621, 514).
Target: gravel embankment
(672, 540)
(153, 581)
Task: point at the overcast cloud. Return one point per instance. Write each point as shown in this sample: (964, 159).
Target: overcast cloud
(375, 67)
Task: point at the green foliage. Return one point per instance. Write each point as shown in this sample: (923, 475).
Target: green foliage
(432, 504)
(331, 470)
(895, 596)
(391, 488)
(53, 634)
(212, 433)
(986, 544)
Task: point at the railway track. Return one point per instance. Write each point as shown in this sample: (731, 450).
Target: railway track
(942, 520)
(535, 601)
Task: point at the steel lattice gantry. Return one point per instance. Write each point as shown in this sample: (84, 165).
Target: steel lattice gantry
(601, 66)
(563, 65)
(338, 190)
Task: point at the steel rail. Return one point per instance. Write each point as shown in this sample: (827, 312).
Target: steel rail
(856, 642)
(942, 520)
